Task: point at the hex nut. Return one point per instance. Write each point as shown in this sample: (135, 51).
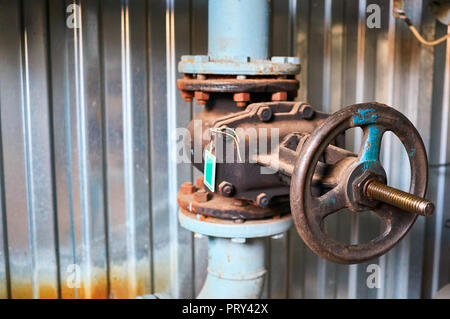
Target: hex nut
(358, 188)
(279, 96)
(201, 196)
(187, 188)
(262, 200)
(201, 97)
(241, 98)
(187, 95)
(307, 111)
(226, 189)
(265, 113)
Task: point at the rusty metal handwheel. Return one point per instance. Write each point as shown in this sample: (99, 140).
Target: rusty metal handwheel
(309, 211)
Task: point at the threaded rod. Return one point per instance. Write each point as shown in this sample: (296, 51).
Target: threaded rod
(399, 199)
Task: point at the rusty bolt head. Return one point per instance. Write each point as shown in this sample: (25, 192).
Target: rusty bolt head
(187, 188)
(262, 200)
(201, 97)
(265, 113)
(201, 196)
(307, 111)
(199, 182)
(241, 98)
(279, 96)
(226, 188)
(187, 95)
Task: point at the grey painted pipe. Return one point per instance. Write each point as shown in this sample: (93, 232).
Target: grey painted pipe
(235, 270)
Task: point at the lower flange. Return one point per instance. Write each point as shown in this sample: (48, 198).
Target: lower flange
(215, 227)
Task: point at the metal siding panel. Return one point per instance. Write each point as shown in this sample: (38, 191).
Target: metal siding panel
(79, 152)
(139, 166)
(13, 146)
(126, 134)
(61, 142)
(158, 147)
(437, 257)
(26, 136)
(4, 271)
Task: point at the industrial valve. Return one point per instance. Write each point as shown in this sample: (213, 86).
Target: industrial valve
(309, 173)
(266, 157)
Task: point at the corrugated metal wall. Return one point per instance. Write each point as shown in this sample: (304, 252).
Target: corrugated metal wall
(88, 117)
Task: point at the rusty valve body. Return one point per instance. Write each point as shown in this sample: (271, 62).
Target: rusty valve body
(308, 171)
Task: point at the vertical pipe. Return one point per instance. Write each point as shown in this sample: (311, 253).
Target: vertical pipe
(238, 29)
(235, 270)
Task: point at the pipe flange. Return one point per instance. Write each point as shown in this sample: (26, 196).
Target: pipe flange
(216, 227)
(205, 64)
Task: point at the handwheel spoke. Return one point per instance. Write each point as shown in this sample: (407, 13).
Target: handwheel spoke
(371, 143)
(383, 213)
(395, 219)
(329, 203)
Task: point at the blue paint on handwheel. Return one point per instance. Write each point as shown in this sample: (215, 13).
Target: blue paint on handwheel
(364, 117)
(371, 149)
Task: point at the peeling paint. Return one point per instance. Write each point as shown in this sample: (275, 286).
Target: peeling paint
(363, 117)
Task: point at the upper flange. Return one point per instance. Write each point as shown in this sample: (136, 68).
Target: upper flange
(205, 64)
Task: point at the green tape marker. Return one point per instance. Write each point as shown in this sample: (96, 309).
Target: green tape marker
(209, 178)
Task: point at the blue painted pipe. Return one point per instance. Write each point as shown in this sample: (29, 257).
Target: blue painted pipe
(238, 29)
(235, 270)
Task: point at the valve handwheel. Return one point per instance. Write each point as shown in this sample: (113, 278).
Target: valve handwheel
(361, 184)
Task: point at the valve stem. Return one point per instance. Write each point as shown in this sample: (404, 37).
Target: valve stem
(395, 197)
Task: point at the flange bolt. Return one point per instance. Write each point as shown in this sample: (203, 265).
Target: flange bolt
(307, 111)
(201, 97)
(279, 96)
(201, 196)
(187, 188)
(265, 113)
(241, 98)
(262, 200)
(226, 188)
